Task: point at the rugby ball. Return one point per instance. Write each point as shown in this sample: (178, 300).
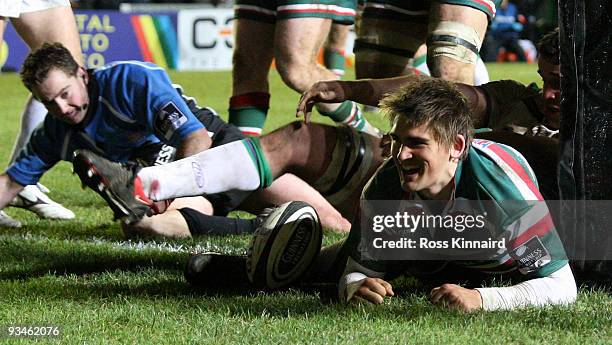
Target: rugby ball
(284, 246)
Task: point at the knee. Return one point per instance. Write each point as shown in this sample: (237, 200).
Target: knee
(295, 70)
(287, 145)
(284, 137)
(161, 225)
(452, 51)
(298, 134)
(452, 70)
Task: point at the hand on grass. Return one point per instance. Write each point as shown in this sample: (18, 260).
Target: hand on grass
(455, 296)
(373, 290)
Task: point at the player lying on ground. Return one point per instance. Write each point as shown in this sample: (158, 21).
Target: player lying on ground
(110, 111)
(434, 158)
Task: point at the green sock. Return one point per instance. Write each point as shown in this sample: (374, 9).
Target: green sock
(334, 61)
(347, 113)
(248, 112)
(257, 156)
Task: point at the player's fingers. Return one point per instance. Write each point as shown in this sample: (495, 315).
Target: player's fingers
(307, 116)
(358, 299)
(376, 285)
(436, 294)
(369, 295)
(303, 108)
(388, 287)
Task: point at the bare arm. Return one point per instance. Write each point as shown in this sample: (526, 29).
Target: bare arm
(477, 102)
(364, 91)
(371, 91)
(195, 142)
(8, 189)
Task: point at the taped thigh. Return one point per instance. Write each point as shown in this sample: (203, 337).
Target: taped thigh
(350, 167)
(454, 40)
(386, 30)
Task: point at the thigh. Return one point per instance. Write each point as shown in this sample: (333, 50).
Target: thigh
(456, 32)
(459, 13)
(339, 11)
(487, 7)
(298, 40)
(395, 24)
(389, 35)
(55, 24)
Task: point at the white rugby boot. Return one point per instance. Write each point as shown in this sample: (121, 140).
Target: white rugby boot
(33, 198)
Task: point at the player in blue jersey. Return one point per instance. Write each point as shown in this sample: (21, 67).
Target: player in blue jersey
(129, 111)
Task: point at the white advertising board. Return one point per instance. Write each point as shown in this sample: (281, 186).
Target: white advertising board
(205, 39)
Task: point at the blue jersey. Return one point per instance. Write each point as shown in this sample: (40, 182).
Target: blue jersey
(131, 104)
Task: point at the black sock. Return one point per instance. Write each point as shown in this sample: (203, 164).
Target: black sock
(203, 224)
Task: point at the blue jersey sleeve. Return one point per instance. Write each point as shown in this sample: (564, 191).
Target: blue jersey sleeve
(40, 154)
(148, 91)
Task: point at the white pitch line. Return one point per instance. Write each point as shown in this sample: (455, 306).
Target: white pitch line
(134, 245)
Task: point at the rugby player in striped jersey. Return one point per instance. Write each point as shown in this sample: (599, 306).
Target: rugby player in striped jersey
(435, 158)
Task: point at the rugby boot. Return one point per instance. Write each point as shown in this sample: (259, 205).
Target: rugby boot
(33, 198)
(117, 183)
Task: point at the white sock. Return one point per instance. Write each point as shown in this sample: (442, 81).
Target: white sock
(33, 114)
(223, 168)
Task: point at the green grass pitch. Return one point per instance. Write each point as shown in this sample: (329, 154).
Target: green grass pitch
(84, 277)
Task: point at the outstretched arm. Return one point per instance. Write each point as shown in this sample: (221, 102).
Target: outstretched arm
(371, 91)
(557, 288)
(364, 91)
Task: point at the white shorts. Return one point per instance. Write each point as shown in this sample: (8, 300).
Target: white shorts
(14, 8)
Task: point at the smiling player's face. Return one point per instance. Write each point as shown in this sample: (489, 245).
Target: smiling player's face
(424, 165)
(64, 95)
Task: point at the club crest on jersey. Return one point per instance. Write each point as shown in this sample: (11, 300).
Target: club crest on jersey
(531, 255)
(169, 119)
